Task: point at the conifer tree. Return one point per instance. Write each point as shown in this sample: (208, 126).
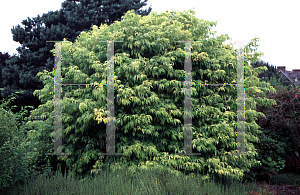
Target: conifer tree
(4, 57)
(68, 22)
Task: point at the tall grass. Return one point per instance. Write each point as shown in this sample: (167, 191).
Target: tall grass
(107, 182)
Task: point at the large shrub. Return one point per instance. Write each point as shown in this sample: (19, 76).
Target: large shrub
(13, 161)
(271, 154)
(282, 124)
(18, 155)
(149, 98)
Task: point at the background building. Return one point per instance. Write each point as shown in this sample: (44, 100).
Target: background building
(290, 76)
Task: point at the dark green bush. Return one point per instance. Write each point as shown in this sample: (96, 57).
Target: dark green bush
(13, 161)
(283, 122)
(270, 154)
(293, 165)
(279, 135)
(18, 160)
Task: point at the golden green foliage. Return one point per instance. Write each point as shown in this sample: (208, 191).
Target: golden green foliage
(149, 95)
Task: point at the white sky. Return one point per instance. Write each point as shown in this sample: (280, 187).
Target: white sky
(276, 23)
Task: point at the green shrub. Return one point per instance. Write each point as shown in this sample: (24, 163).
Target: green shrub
(13, 161)
(282, 122)
(279, 136)
(270, 154)
(19, 155)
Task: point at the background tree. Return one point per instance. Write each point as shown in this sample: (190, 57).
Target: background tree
(149, 91)
(68, 22)
(281, 123)
(3, 58)
(271, 72)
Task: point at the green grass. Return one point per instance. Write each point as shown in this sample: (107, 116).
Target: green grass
(122, 183)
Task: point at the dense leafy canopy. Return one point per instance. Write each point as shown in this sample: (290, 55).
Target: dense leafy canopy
(19, 73)
(68, 22)
(149, 97)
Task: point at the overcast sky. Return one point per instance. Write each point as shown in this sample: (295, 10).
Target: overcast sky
(276, 23)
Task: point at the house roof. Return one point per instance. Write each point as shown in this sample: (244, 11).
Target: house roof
(291, 76)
